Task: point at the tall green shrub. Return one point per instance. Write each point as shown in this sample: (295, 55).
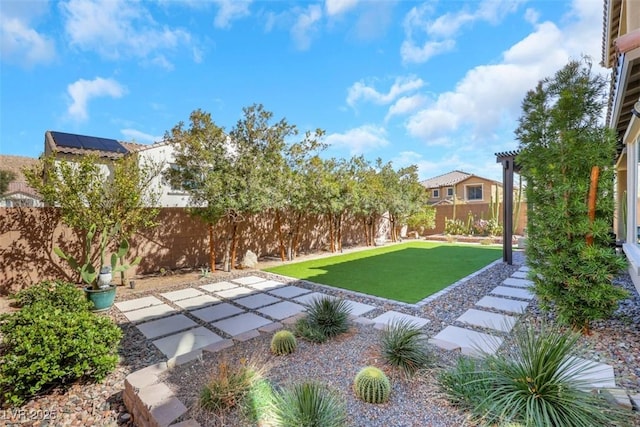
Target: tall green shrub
(562, 139)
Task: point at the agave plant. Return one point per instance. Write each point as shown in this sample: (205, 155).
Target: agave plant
(329, 315)
(404, 346)
(308, 404)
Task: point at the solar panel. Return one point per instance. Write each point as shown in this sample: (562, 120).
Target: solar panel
(63, 139)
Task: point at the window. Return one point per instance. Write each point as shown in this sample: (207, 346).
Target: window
(474, 192)
(450, 192)
(435, 194)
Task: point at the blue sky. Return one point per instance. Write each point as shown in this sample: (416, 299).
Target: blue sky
(436, 83)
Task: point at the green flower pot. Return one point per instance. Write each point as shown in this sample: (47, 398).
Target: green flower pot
(102, 299)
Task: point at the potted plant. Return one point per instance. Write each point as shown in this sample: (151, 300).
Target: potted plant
(99, 289)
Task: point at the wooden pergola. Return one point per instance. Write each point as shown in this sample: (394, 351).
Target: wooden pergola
(509, 166)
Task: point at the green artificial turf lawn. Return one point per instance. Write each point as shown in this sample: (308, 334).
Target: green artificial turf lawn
(406, 272)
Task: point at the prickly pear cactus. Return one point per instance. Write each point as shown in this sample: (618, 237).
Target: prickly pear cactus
(372, 385)
(283, 342)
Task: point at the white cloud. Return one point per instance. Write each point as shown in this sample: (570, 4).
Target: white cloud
(360, 91)
(412, 53)
(140, 137)
(337, 7)
(359, 140)
(306, 24)
(405, 105)
(440, 32)
(118, 28)
(20, 42)
(230, 10)
(489, 96)
(82, 91)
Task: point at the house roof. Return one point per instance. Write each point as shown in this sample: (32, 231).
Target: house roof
(16, 164)
(74, 144)
(446, 179)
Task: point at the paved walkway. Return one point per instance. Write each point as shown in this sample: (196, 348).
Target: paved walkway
(241, 308)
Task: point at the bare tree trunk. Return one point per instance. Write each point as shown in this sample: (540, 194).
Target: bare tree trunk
(234, 245)
(366, 231)
(212, 250)
(339, 226)
(332, 247)
(593, 193)
(280, 238)
(296, 236)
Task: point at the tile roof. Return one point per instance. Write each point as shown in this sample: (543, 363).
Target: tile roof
(16, 164)
(446, 179)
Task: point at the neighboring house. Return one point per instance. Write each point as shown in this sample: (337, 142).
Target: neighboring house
(18, 193)
(463, 187)
(621, 53)
(69, 146)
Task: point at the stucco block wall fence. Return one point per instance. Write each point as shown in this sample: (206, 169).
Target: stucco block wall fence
(478, 211)
(28, 236)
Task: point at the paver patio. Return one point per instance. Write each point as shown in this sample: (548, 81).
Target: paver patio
(241, 323)
(288, 291)
(186, 342)
(196, 302)
(217, 312)
(512, 292)
(391, 316)
(517, 282)
(149, 313)
(218, 286)
(282, 310)
(503, 304)
(470, 343)
(486, 319)
(257, 300)
(166, 325)
(182, 294)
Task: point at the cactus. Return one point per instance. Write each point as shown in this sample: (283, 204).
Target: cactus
(283, 342)
(372, 385)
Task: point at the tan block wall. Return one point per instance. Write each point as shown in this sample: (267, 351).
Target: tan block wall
(478, 210)
(28, 236)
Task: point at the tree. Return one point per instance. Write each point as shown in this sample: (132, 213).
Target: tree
(5, 179)
(567, 161)
(113, 204)
(229, 176)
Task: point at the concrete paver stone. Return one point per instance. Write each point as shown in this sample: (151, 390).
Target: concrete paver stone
(197, 302)
(182, 294)
(288, 291)
(524, 268)
(248, 280)
(235, 292)
(187, 341)
(266, 285)
(282, 310)
(218, 286)
(256, 300)
(138, 303)
(518, 283)
(358, 308)
(149, 313)
(503, 304)
(166, 325)
(217, 312)
(308, 298)
(519, 274)
(168, 411)
(471, 343)
(597, 375)
(512, 292)
(486, 319)
(236, 325)
(391, 316)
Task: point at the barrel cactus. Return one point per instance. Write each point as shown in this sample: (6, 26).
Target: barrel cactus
(372, 385)
(283, 342)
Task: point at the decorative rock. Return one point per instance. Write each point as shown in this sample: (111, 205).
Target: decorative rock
(250, 260)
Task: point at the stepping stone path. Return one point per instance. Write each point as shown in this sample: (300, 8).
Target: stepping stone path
(512, 298)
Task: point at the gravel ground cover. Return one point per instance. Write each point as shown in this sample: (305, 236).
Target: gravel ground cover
(615, 341)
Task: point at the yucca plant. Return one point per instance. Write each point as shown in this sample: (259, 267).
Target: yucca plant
(404, 346)
(304, 329)
(329, 315)
(538, 383)
(310, 404)
(467, 384)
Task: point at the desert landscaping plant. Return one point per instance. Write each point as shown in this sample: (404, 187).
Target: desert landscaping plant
(405, 347)
(566, 158)
(538, 383)
(372, 385)
(309, 404)
(53, 340)
(326, 318)
(283, 342)
(228, 386)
